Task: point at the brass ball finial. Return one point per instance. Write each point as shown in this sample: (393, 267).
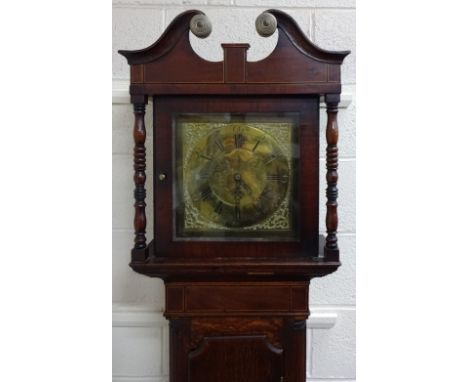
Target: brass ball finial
(266, 24)
(200, 25)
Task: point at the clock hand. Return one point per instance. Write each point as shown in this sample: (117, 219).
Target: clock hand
(237, 190)
(246, 187)
(241, 185)
(237, 196)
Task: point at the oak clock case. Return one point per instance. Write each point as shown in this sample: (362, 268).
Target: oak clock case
(236, 196)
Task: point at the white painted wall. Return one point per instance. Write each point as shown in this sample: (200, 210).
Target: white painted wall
(140, 331)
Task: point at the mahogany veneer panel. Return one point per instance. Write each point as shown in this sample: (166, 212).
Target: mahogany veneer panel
(270, 327)
(294, 69)
(294, 61)
(243, 359)
(237, 298)
(183, 67)
(252, 349)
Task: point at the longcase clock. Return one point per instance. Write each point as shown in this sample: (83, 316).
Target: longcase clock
(236, 196)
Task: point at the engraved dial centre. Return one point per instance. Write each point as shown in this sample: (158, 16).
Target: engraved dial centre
(237, 175)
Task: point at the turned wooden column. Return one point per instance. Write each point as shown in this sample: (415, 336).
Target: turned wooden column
(331, 250)
(139, 177)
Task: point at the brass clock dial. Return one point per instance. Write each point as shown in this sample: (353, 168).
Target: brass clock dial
(237, 175)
